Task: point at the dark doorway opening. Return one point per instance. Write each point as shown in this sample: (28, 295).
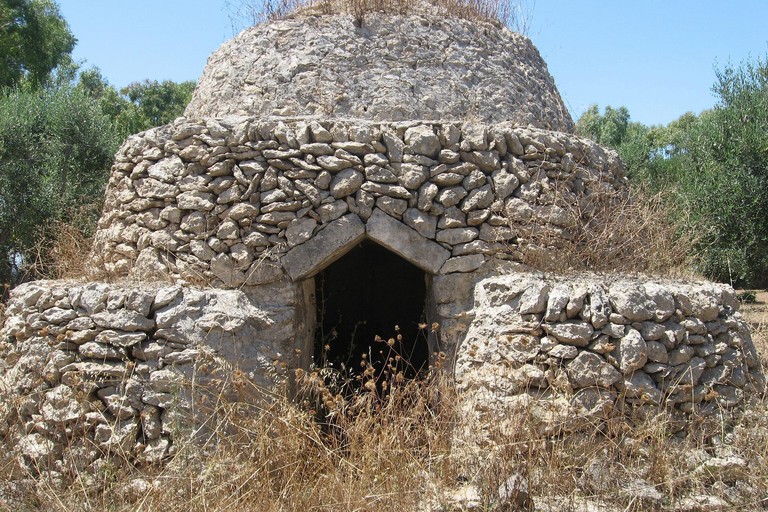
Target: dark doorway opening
(365, 295)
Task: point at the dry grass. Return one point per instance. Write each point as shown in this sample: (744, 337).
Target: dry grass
(63, 247)
(610, 231)
(369, 451)
(510, 13)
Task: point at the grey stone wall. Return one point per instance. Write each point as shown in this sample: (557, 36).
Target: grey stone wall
(91, 369)
(573, 349)
(393, 68)
(212, 201)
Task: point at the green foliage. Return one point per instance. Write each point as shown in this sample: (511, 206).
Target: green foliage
(140, 105)
(747, 297)
(34, 40)
(56, 147)
(159, 102)
(728, 169)
(57, 136)
(713, 169)
(609, 128)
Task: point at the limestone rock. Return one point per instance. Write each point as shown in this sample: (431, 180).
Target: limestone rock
(588, 369)
(631, 352)
(463, 264)
(631, 303)
(571, 332)
(123, 320)
(509, 79)
(424, 224)
(406, 242)
(345, 183)
(300, 230)
(325, 247)
(60, 405)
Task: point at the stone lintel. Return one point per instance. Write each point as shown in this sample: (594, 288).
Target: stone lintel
(328, 245)
(406, 242)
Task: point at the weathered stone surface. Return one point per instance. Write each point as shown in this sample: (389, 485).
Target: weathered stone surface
(346, 182)
(455, 236)
(507, 83)
(300, 230)
(563, 352)
(325, 247)
(640, 385)
(404, 241)
(60, 405)
(332, 211)
(571, 332)
(94, 350)
(224, 267)
(534, 298)
(631, 303)
(588, 369)
(195, 201)
(332, 163)
(123, 320)
(424, 224)
(422, 140)
(243, 209)
(392, 206)
(559, 297)
(37, 448)
(462, 264)
(507, 355)
(59, 315)
(725, 469)
(663, 299)
(631, 352)
(599, 307)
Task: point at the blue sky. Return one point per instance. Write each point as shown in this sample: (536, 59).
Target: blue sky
(657, 58)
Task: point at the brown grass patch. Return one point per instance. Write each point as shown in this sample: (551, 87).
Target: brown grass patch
(64, 246)
(370, 451)
(510, 13)
(613, 230)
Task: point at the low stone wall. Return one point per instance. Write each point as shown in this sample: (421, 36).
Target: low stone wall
(210, 201)
(90, 370)
(575, 348)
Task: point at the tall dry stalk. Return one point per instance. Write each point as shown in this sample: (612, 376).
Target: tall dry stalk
(514, 14)
(610, 231)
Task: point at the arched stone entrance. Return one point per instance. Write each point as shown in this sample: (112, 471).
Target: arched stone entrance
(380, 243)
(367, 293)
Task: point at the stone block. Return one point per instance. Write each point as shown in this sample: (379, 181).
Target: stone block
(406, 242)
(328, 245)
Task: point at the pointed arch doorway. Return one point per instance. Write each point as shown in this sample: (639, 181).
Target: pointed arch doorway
(370, 292)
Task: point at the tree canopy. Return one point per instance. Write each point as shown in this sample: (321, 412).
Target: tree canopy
(34, 40)
(712, 168)
(59, 128)
(140, 105)
(55, 148)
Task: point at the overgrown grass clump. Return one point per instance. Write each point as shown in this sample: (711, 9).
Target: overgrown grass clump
(408, 445)
(510, 13)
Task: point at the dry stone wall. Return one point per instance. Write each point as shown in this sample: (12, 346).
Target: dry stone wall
(394, 68)
(579, 348)
(217, 200)
(98, 369)
(101, 369)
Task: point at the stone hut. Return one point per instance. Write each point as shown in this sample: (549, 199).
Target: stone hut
(329, 181)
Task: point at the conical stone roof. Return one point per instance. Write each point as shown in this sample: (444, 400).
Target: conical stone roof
(392, 68)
